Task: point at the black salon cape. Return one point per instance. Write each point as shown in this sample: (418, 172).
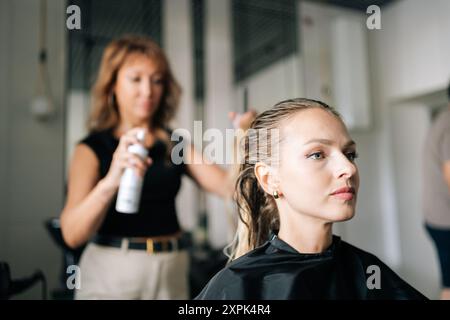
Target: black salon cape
(276, 271)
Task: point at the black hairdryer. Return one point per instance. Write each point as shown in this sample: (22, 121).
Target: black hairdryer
(9, 287)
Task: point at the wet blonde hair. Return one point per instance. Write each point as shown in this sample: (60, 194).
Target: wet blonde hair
(258, 212)
(105, 112)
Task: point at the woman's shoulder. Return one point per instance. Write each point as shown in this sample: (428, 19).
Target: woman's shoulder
(101, 141)
(386, 283)
(97, 135)
(247, 261)
(218, 287)
(351, 249)
(228, 283)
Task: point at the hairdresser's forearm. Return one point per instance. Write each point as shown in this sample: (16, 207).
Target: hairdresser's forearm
(231, 177)
(81, 222)
(446, 173)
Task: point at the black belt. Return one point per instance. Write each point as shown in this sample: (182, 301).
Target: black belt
(147, 244)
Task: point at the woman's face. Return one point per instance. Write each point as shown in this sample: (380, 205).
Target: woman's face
(139, 88)
(316, 165)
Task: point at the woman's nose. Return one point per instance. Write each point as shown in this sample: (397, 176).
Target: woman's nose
(146, 88)
(346, 168)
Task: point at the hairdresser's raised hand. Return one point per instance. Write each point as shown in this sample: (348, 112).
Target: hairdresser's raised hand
(122, 159)
(242, 120)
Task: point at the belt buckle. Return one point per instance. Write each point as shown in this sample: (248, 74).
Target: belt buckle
(150, 246)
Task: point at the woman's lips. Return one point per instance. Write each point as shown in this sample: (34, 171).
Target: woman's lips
(146, 104)
(346, 193)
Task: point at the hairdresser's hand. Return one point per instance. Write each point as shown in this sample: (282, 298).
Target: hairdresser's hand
(242, 120)
(122, 159)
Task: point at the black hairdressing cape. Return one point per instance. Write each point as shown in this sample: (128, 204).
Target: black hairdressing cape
(275, 270)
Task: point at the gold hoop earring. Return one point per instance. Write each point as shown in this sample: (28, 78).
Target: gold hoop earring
(276, 195)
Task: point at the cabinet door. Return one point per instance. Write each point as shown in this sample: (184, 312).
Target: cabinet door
(415, 46)
(334, 51)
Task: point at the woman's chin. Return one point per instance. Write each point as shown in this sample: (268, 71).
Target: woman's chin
(144, 110)
(346, 216)
(342, 215)
(143, 116)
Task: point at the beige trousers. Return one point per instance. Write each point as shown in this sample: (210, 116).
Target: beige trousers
(122, 274)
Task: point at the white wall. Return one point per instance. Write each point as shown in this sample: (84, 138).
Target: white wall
(31, 152)
(416, 42)
(218, 100)
(333, 45)
(178, 45)
(77, 113)
(280, 81)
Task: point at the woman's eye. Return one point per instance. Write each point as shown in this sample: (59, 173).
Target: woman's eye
(352, 156)
(157, 81)
(316, 156)
(135, 79)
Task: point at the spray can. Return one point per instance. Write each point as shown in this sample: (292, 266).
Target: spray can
(130, 188)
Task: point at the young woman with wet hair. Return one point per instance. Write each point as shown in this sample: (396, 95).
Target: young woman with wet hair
(298, 177)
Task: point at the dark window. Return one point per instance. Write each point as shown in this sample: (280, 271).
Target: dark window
(264, 31)
(102, 21)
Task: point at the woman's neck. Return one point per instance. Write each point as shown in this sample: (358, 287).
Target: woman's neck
(124, 126)
(304, 233)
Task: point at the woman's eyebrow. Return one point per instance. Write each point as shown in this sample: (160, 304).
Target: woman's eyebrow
(330, 142)
(133, 70)
(140, 72)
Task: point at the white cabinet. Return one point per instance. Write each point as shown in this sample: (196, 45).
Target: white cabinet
(415, 42)
(334, 52)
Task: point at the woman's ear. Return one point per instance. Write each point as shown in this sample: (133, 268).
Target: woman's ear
(266, 177)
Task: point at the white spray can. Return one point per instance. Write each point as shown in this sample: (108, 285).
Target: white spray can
(130, 188)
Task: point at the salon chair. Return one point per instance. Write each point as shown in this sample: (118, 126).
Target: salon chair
(11, 287)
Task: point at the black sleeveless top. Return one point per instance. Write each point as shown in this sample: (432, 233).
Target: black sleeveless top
(157, 213)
